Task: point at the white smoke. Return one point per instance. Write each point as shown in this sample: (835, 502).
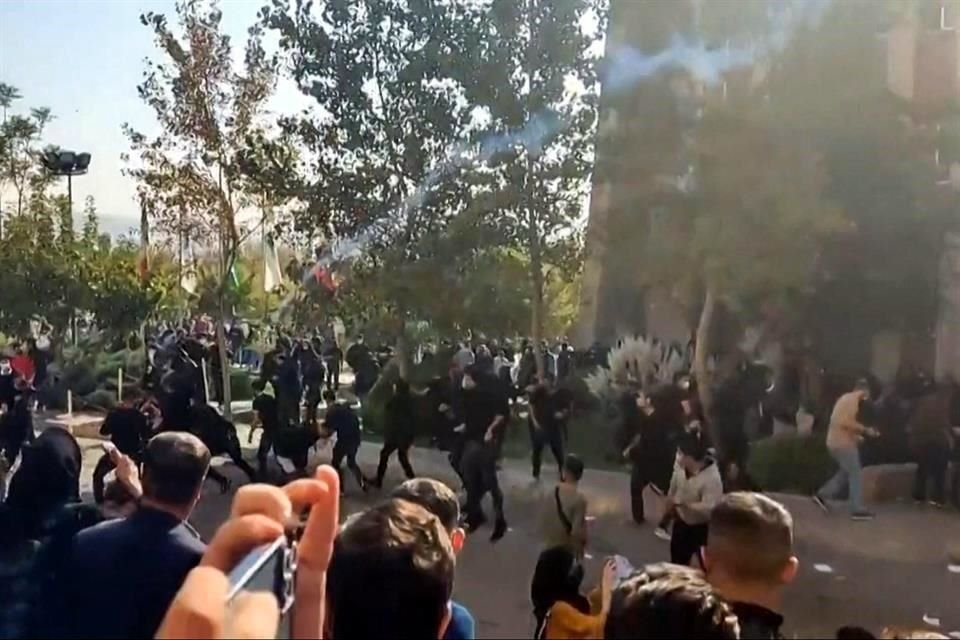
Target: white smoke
(624, 68)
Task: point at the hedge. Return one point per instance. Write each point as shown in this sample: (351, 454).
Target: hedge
(790, 463)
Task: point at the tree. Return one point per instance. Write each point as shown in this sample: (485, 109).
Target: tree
(831, 84)
(91, 223)
(531, 71)
(8, 95)
(190, 173)
(389, 151)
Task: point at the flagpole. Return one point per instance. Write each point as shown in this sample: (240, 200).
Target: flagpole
(144, 282)
(263, 246)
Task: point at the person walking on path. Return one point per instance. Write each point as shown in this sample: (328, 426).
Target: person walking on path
(844, 436)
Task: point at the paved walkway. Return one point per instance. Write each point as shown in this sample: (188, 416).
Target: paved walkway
(890, 571)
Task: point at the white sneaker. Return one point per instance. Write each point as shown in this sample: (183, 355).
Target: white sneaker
(662, 533)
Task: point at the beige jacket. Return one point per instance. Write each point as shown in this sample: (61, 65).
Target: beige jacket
(697, 495)
(845, 430)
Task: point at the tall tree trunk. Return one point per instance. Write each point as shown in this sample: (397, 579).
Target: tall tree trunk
(403, 354)
(700, 356)
(224, 360)
(536, 278)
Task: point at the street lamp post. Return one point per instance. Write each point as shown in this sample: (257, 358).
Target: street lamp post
(66, 163)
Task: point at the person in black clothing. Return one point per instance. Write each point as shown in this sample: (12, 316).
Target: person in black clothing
(176, 395)
(313, 372)
(527, 371)
(216, 373)
(486, 411)
(16, 421)
(544, 427)
(333, 358)
(219, 435)
(131, 568)
(267, 418)
(288, 390)
(8, 391)
(343, 421)
(564, 361)
(650, 448)
(41, 515)
(129, 428)
(270, 363)
(557, 578)
(399, 432)
(357, 354)
(749, 560)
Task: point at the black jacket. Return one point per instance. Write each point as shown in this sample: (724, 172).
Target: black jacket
(756, 622)
(121, 575)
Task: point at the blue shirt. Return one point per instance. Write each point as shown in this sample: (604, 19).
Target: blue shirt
(462, 625)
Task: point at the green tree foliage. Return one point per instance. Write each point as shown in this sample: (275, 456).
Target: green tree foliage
(419, 151)
(530, 70)
(190, 175)
(388, 150)
(19, 146)
(45, 274)
(831, 86)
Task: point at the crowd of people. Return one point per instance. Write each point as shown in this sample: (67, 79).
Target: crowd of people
(389, 570)
(72, 570)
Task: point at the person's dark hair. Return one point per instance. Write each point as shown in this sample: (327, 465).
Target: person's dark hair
(854, 633)
(557, 578)
(573, 465)
(174, 466)
(258, 385)
(692, 445)
(391, 574)
(751, 536)
(669, 601)
(329, 396)
(434, 496)
(47, 480)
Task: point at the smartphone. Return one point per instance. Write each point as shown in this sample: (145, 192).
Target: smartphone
(271, 567)
(623, 569)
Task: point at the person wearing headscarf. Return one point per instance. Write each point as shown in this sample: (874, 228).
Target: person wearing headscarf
(560, 609)
(47, 480)
(38, 520)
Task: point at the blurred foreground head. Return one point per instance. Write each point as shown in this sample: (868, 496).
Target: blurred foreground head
(669, 601)
(391, 575)
(750, 543)
(174, 467)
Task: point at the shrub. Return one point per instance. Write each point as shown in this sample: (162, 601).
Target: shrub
(790, 463)
(101, 399)
(241, 385)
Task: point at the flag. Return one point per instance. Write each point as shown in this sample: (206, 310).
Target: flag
(325, 277)
(189, 279)
(272, 275)
(234, 276)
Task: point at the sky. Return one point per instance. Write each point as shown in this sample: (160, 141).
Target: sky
(83, 59)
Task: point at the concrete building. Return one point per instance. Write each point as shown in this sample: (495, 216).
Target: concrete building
(918, 58)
